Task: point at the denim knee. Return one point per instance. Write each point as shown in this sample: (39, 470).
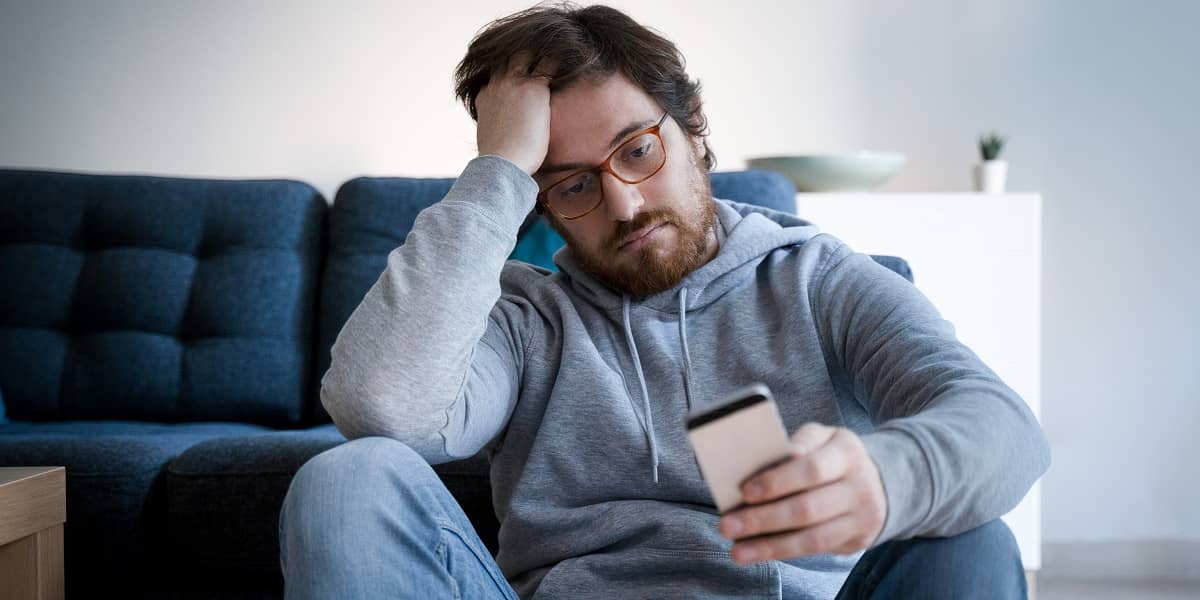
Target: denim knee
(992, 539)
(366, 466)
(358, 462)
(984, 562)
(346, 487)
(992, 544)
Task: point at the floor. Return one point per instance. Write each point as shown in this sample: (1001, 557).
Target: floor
(1149, 589)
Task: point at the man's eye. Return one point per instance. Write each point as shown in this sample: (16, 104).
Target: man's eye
(574, 187)
(640, 151)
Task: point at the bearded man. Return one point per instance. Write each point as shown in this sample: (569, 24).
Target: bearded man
(906, 448)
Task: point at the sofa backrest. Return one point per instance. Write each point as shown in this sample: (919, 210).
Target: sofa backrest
(155, 298)
(371, 216)
(764, 188)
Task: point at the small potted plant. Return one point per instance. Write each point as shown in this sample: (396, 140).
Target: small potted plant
(990, 175)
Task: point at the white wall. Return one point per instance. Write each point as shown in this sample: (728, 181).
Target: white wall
(1099, 99)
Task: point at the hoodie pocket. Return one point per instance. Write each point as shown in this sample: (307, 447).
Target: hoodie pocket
(658, 573)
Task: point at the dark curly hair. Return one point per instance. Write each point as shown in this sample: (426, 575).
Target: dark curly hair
(586, 42)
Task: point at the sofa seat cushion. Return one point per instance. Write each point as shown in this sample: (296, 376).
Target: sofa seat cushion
(224, 498)
(223, 501)
(115, 491)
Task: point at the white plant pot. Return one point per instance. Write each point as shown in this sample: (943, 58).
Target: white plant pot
(990, 176)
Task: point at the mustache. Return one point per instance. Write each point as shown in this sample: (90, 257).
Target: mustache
(638, 222)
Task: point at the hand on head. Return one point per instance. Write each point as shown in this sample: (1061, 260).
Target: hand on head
(514, 113)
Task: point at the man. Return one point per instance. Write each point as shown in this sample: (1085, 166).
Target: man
(577, 383)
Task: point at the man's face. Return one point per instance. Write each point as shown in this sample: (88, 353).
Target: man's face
(643, 238)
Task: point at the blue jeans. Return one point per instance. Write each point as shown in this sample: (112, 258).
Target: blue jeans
(371, 519)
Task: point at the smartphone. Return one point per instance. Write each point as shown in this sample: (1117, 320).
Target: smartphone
(735, 438)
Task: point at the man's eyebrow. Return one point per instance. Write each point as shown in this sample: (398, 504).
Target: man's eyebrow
(617, 139)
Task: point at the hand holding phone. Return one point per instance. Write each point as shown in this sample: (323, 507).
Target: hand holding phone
(735, 438)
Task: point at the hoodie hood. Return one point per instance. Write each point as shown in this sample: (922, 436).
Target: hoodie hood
(751, 232)
(748, 233)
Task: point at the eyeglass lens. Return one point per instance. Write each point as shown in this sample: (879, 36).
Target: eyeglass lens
(635, 161)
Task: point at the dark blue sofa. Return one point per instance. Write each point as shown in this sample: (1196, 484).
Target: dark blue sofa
(164, 338)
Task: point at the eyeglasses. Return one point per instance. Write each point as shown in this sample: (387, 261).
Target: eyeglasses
(637, 159)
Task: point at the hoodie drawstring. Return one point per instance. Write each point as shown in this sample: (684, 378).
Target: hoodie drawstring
(687, 359)
(648, 421)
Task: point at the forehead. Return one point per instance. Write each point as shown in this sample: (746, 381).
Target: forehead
(585, 116)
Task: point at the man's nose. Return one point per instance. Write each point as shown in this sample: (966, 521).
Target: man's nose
(621, 200)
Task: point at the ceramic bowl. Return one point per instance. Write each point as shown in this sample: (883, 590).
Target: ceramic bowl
(856, 171)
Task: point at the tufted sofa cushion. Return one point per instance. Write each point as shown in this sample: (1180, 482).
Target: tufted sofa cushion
(157, 299)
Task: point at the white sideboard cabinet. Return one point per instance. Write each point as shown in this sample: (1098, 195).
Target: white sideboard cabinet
(978, 258)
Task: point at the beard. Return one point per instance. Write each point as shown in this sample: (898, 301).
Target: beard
(648, 271)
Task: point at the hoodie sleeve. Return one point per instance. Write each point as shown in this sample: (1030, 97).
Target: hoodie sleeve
(955, 446)
(430, 357)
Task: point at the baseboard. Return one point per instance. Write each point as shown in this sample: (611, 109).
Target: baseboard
(1134, 559)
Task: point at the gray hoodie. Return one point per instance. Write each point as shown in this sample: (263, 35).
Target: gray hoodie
(579, 392)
